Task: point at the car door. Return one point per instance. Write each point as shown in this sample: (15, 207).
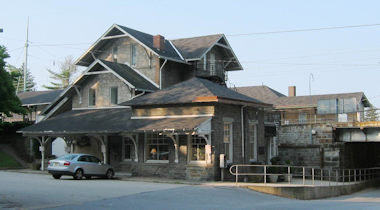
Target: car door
(98, 168)
(84, 163)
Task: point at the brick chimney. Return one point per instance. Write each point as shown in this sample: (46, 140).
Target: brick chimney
(292, 91)
(159, 42)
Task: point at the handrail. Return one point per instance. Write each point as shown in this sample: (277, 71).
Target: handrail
(338, 176)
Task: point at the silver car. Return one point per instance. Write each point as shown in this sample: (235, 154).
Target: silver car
(79, 166)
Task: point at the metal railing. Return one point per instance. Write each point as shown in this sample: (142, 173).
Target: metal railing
(310, 176)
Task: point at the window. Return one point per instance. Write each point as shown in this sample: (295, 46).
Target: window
(272, 148)
(133, 54)
(212, 64)
(113, 96)
(114, 54)
(157, 148)
(252, 135)
(127, 149)
(228, 150)
(92, 97)
(197, 149)
(302, 118)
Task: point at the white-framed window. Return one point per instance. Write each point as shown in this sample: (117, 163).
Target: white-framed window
(115, 54)
(92, 97)
(272, 148)
(197, 149)
(127, 149)
(212, 64)
(157, 148)
(133, 54)
(302, 118)
(113, 95)
(228, 139)
(252, 135)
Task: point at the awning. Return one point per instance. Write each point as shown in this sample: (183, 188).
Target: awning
(114, 121)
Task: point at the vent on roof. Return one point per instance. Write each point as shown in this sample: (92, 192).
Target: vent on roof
(159, 42)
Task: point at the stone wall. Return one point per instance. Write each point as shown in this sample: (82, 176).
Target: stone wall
(296, 146)
(103, 84)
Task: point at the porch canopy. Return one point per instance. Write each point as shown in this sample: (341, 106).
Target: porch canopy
(101, 123)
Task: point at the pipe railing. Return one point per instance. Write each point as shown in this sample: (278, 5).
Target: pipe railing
(308, 174)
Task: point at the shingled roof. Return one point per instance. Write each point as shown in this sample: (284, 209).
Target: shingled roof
(194, 90)
(279, 100)
(38, 97)
(262, 93)
(107, 121)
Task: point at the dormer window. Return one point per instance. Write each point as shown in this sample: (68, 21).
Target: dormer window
(114, 54)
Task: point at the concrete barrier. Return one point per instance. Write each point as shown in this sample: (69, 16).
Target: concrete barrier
(316, 192)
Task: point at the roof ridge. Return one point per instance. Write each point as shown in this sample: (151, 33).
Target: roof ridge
(196, 37)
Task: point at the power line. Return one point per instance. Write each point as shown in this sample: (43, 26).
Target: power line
(303, 30)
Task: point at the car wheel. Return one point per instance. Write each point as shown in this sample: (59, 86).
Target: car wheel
(57, 176)
(109, 174)
(88, 177)
(78, 174)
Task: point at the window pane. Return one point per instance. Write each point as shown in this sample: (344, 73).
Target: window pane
(152, 152)
(163, 152)
(134, 54)
(113, 95)
(92, 97)
(127, 150)
(114, 54)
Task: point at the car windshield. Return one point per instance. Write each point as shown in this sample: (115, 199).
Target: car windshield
(67, 157)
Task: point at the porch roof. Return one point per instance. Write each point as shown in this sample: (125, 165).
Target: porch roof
(108, 121)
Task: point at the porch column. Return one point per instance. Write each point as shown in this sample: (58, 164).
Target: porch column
(175, 140)
(135, 139)
(104, 146)
(42, 142)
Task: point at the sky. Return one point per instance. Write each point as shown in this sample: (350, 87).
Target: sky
(321, 47)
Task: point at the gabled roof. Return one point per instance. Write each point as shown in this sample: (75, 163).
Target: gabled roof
(179, 50)
(195, 90)
(117, 31)
(279, 100)
(131, 77)
(195, 47)
(297, 101)
(262, 93)
(134, 78)
(38, 97)
(110, 121)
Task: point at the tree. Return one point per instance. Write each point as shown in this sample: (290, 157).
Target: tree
(65, 75)
(9, 102)
(371, 114)
(17, 75)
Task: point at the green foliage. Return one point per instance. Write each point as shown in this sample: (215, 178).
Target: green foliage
(17, 75)
(9, 102)
(7, 161)
(8, 128)
(371, 114)
(64, 76)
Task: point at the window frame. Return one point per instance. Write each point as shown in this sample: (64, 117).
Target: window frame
(253, 156)
(92, 97)
(133, 54)
(165, 141)
(117, 95)
(191, 139)
(115, 54)
(228, 143)
(127, 141)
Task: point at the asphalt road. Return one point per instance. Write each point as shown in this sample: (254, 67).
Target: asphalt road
(33, 191)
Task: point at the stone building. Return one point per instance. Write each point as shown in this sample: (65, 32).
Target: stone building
(326, 131)
(155, 107)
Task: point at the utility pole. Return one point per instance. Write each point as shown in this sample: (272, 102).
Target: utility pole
(26, 54)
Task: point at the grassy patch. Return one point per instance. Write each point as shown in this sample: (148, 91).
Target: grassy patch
(7, 161)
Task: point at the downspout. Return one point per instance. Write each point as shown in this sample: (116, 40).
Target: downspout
(242, 132)
(161, 72)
